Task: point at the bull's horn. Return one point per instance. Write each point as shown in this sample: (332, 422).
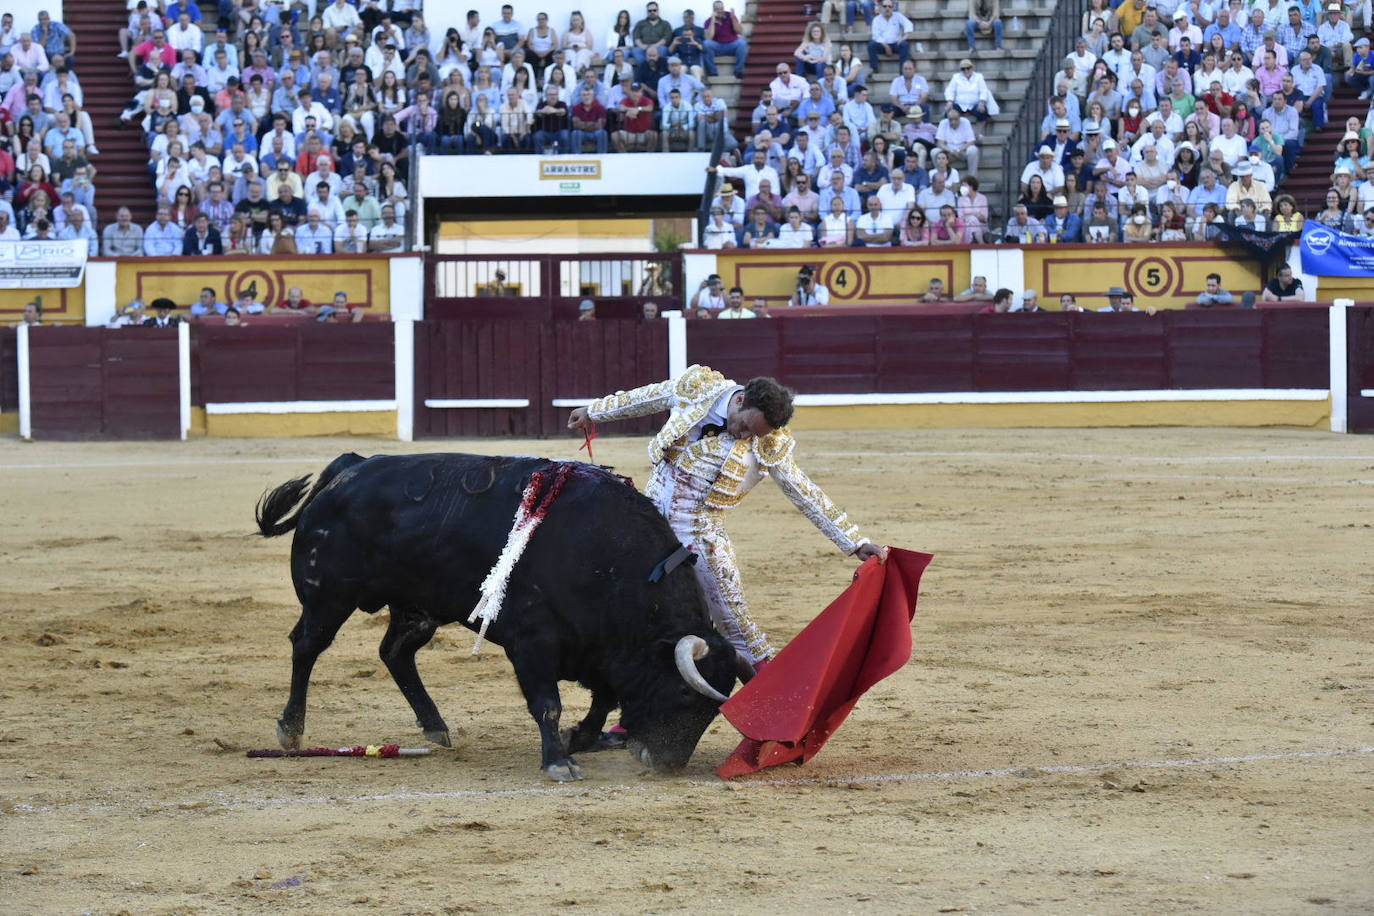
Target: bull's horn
(689, 649)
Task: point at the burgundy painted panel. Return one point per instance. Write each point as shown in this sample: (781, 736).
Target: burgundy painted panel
(246, 364)
(91, 383)
(9, 370)
(350, 362)
(1216, 349)
(740, 349)
(1360, 347)
(925, 353)
(1296, 347)
(65, 383)
(1112, 351)
(830, 356)
(1021, 352)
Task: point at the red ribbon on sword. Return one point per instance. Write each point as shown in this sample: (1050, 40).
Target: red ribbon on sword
(589, 432)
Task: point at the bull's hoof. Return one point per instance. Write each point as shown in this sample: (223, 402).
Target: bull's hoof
(565, 770)
(287, 738)
(610, 741)
(439, 736)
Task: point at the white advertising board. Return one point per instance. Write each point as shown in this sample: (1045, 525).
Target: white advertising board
(42, 265)
(615, 174)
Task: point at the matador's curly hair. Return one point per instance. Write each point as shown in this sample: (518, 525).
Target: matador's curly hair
(771, 398)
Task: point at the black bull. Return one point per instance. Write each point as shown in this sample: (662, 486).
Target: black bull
(418, 533)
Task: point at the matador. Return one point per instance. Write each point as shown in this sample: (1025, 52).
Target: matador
(720, 439)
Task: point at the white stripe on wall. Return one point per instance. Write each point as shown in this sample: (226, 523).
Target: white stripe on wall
(284, 407)
(463, 403)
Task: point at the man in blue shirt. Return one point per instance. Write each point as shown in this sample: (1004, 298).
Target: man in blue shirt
(54, 37)
(839, 189)
(1061, 225)
(1206, 192)
(163, 238)
(175, 8)
(1229, 31)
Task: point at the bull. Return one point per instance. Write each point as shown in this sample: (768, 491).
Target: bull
(418, 534)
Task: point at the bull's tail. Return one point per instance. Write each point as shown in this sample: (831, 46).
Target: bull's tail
(274, 505)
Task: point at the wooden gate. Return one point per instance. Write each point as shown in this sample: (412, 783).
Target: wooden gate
(98, 383)
(485, 378)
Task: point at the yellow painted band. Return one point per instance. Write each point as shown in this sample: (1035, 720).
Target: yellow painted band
(1302, 414)
(264, 425)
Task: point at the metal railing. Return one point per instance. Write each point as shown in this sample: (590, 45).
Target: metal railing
(551, 278)
(1064, 28)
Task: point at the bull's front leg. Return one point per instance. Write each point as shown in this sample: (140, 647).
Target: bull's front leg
(554, 760)
(540, 686)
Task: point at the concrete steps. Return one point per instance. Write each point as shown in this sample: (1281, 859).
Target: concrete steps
(1310, 178)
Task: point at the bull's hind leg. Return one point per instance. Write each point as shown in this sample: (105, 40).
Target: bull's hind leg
(408, 634)
(535, 670)
(584, 734)
(313, 633)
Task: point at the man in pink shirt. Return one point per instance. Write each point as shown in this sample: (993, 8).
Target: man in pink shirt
(1270, 75)
(155, 53)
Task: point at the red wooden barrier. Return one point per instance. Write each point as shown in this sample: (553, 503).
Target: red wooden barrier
(9, 371)
(535, 360)
(1056, 351)
(293, 362)
(96, 383)
(1360, 347)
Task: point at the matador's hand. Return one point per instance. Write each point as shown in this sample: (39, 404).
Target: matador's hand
(578, 419)
(869, 550)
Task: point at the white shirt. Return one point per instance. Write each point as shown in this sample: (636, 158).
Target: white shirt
(801, 237)
(966, 91)
(324, 119)
(718, 414)
(888, 30)
(753, 176)
(190, 37)
(1232, 80)
(351, 241)
(382, 231)
(1232, 148)
(896, 203)
(870, 224)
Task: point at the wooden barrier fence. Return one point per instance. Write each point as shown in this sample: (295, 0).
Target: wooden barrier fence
(1055, 351)
(1360, 359)
(520, 378)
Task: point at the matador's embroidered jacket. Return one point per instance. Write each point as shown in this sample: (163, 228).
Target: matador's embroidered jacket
(694, 482)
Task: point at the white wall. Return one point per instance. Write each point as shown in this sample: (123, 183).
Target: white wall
(26, 13)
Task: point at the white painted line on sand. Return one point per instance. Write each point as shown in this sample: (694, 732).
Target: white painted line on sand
(649, 787)
(1135, 459)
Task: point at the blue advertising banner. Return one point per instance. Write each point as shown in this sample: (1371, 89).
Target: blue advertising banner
(1328, 253)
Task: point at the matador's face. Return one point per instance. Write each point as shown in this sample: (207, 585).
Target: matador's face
(745, 423)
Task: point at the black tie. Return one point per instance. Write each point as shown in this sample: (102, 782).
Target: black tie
(712, 429)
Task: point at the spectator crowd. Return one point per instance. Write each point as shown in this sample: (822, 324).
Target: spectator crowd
(1172, 119)
(47, 177)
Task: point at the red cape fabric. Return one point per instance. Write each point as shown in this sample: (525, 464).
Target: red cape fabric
(792, 707)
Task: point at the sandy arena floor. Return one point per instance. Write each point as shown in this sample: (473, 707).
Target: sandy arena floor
(1143, 683)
